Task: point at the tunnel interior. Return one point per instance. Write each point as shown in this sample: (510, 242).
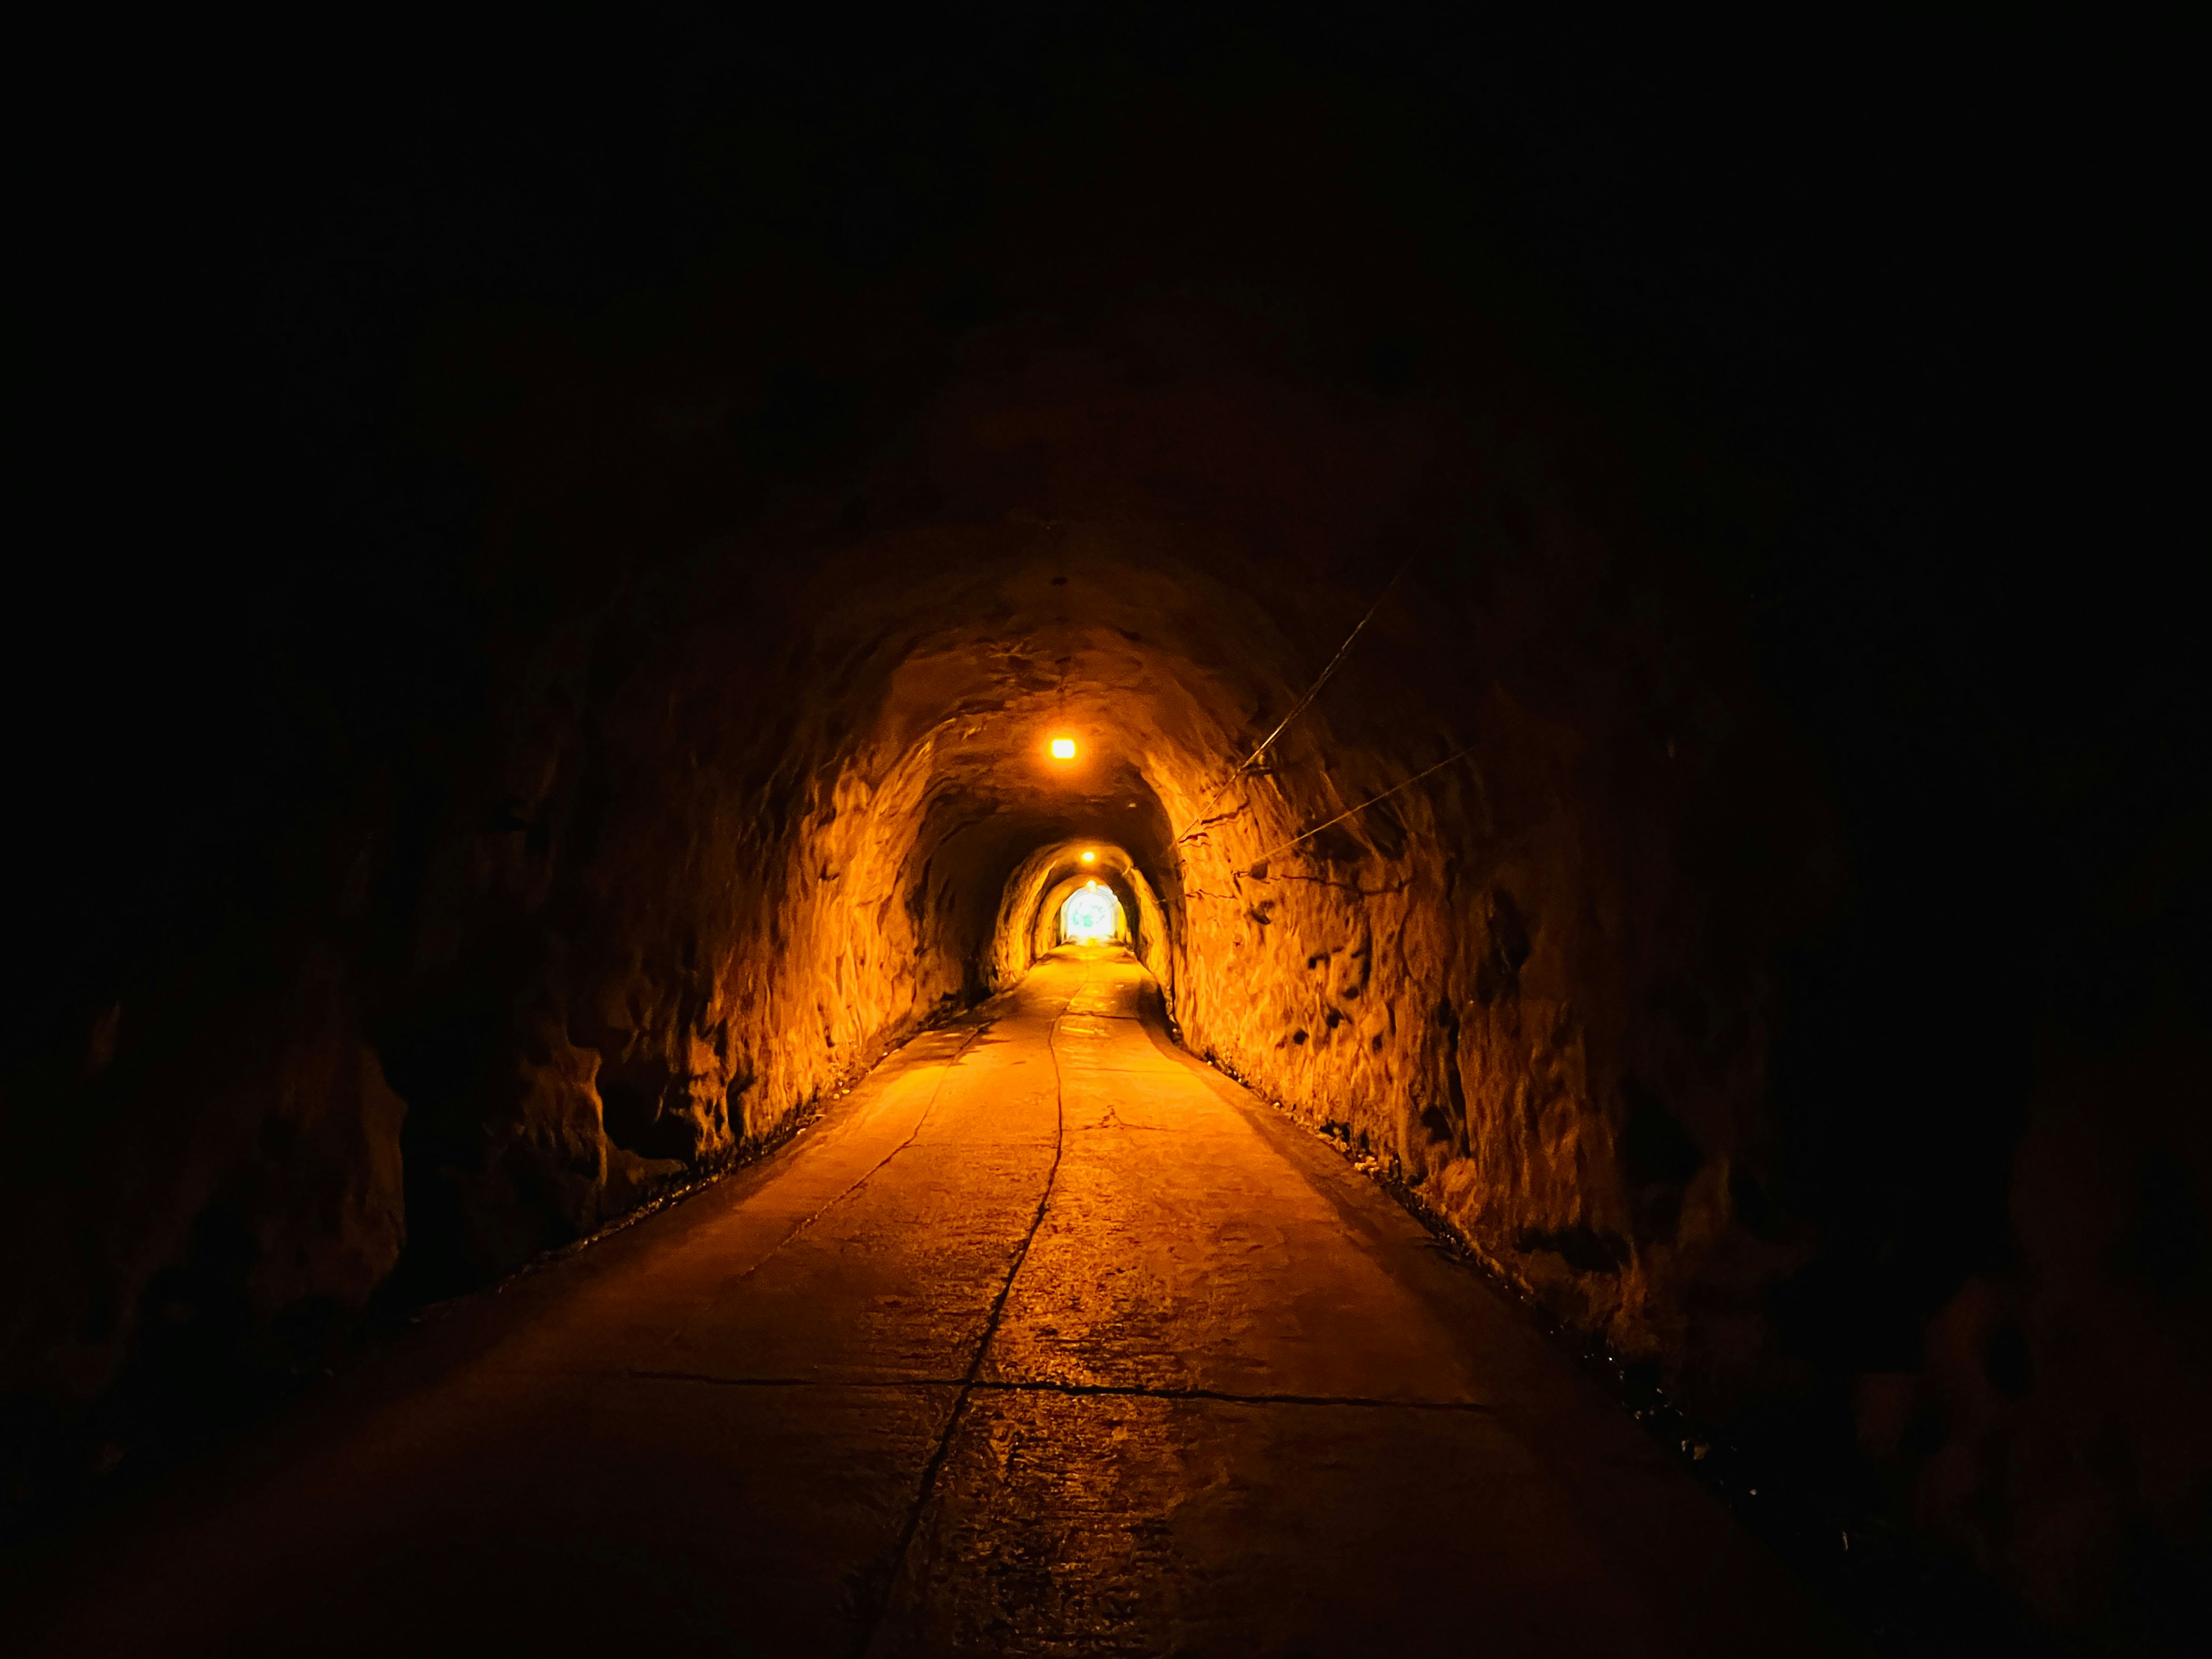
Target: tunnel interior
(609, 665)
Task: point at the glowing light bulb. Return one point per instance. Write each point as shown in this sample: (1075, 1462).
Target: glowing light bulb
(1091, 858)
(1063, 748)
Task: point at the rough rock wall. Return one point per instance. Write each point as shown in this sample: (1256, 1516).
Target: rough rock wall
(205, 1198)
(728, 918)
(1505, 1017)
(1540, 981)
(2055, 1433)
(735, 821)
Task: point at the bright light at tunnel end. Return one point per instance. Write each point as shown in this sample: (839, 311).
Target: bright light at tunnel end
(1091, 915)
(1063, 748)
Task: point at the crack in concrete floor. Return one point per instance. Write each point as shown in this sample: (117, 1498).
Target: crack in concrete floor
(955, 1379)
(932, 1470)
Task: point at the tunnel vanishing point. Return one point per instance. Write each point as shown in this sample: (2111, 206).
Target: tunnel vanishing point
(1125, 929)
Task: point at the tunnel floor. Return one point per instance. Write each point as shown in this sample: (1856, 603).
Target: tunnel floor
(1048, 1339)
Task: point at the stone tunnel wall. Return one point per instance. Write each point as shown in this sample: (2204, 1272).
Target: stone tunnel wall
(734, 825)
(1497, 1003)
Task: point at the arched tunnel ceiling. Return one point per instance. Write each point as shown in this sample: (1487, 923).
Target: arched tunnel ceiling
(748, 806)
(1165, 626)
(802, 778)
(1156, 673)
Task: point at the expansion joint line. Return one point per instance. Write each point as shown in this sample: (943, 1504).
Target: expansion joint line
(1075, 1390)
(943, 1449)
(1228, 1397)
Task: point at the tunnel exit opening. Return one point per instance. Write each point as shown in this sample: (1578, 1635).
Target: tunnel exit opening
(1092, 916)
(1033, 908)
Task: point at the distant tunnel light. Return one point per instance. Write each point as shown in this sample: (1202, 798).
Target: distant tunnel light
(1091, 914)
(1063, 748)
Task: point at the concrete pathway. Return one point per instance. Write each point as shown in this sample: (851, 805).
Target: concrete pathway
(1047, 1340)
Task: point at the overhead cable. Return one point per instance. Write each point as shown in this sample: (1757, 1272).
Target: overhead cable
(1363, 807)
(1297, 708)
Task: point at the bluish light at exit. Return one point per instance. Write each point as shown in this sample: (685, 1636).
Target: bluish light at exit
(1091, 914)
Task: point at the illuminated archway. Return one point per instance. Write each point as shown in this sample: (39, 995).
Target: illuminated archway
(1091, 915)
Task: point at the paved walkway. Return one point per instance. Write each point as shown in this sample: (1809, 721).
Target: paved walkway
(1047, 1340)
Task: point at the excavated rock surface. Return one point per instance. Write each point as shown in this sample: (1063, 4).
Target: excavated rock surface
(753, 818)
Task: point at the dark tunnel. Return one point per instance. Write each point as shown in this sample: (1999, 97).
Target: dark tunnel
(1639, 720)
